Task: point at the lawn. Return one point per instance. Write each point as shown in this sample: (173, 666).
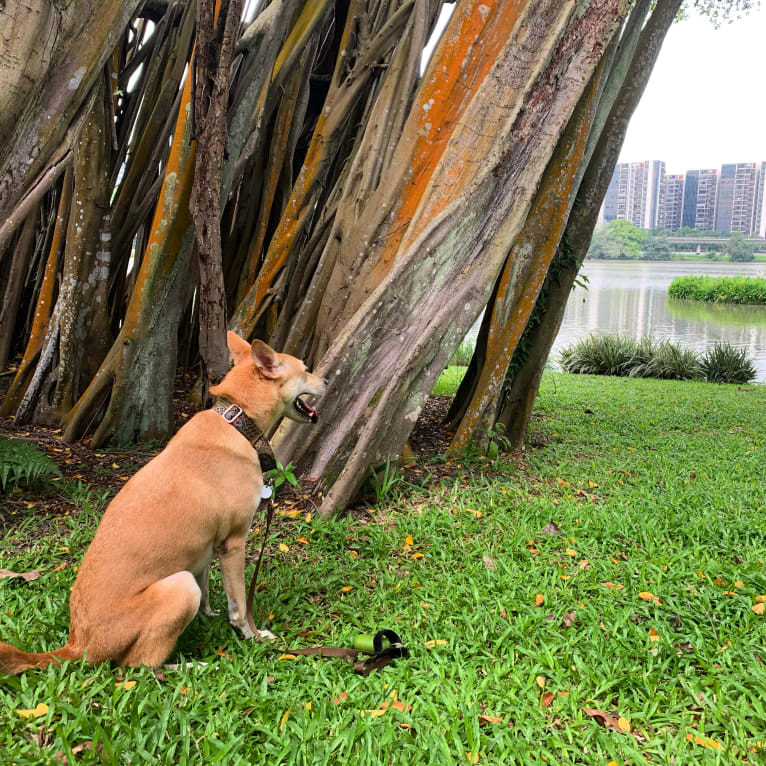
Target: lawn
(645, 607)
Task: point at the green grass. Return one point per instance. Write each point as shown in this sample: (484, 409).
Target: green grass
(448, 381)
(659, 486)
(742, 290)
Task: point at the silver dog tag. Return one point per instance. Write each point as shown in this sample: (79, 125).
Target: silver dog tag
(266, 492)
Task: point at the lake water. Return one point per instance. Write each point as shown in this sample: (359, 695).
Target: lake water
(630, 298)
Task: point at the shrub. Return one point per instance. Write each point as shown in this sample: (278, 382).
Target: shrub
(671, 362)
(599, 355)
(725, 364)
(745, 290)
(20, 461)
(614, 355)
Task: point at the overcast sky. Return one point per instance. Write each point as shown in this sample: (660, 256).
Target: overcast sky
(705, 103)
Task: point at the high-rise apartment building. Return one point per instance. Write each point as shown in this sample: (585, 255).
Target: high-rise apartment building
(759, 218)
(636, 193)
(732, 199)
(737, 207)
(744, 197)
(700, 191)
(671, 208)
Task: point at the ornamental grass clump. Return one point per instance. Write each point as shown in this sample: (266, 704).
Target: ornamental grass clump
(725, 364)
(668, 361)
(599, 355)
(663, 359)
(742, 290)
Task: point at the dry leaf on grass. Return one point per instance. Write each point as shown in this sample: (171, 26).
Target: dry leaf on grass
(551, 528)
(619, 724)
(26, 576)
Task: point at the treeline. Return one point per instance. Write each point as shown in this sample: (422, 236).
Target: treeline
(621, 240)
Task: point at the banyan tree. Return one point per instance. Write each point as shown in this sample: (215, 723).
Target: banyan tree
(299, 171)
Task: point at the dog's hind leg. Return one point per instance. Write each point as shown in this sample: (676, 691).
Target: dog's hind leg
(203, 580)
(164, 609)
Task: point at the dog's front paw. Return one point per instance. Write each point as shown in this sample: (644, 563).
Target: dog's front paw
(266, 635)
(208, 612)
(244, 629)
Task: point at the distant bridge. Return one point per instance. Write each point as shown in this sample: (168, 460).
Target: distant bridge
(758, 242)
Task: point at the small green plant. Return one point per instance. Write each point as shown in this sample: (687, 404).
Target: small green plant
(22, 462)
(725, 364)
(384, 480)
(281, 474)
(498, 441)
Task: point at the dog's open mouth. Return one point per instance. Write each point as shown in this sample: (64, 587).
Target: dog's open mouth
(305, 411)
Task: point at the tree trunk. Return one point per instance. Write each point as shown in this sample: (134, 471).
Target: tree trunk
(525, 383)
(22, 253)
(44, 303)
(215, 37)
(384, 363)
(56, 54)
(137, 375)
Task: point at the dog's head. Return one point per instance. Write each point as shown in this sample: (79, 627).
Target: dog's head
(268, 385)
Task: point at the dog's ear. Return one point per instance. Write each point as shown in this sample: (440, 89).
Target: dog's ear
(265, 359)
(239, 348)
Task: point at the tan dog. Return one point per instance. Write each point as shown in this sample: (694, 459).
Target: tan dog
(145, 575)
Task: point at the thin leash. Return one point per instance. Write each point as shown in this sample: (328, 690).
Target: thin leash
(386, 644)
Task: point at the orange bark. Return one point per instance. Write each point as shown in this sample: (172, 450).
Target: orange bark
(170, 226)
(527, 265)
(467, 50)
(44, 305)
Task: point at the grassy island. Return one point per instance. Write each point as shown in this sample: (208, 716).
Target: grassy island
(743, 290)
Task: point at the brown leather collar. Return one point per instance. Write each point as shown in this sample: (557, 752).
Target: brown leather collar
(235, 416)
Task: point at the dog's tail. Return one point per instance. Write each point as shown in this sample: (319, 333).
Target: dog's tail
(13, 661)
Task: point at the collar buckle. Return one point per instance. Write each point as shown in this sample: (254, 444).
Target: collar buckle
(231, 413)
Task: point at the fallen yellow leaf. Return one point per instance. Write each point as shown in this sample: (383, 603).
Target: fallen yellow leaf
(472, 757)
(371, 713)
(347, 588)
(645, 595)
(126, 684)
(653, 635)
(707, 742)
(434, 642)
(540, 681)
(760, 599)
(283, 719)
(283, 548)
(759, 607)
(739, 584)
(408, 540)
(571, 552)
(303, 540)
(539, 599)
(353, 554)
(41, 709)
(286, 656)
(623, 724)
(418, 555)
